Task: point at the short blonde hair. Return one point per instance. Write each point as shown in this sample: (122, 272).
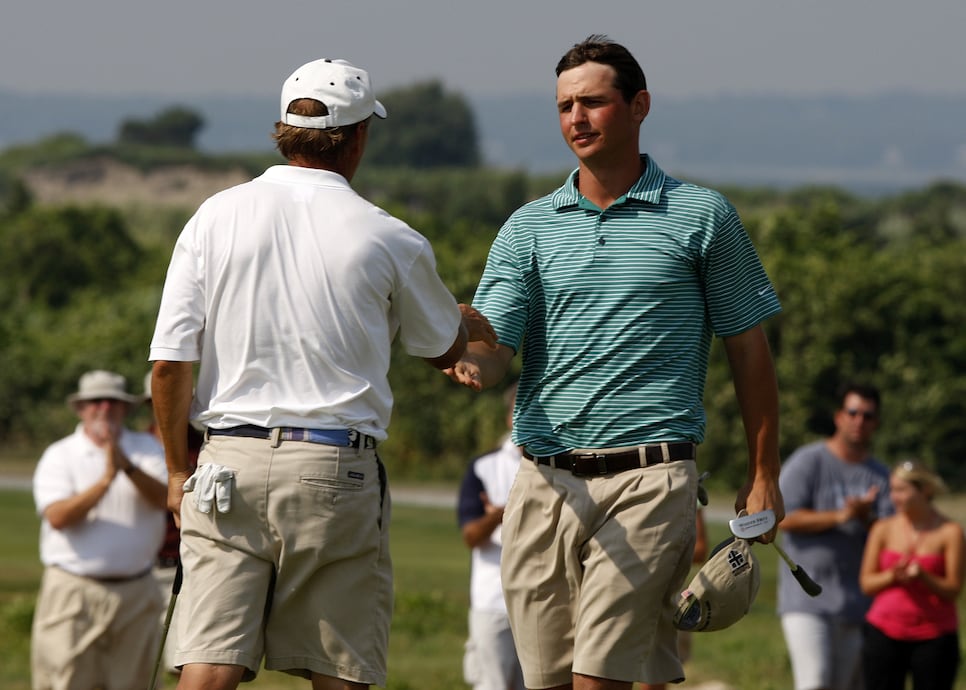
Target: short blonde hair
(920, 476)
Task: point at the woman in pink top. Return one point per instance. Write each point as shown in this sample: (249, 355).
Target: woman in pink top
(913, 567)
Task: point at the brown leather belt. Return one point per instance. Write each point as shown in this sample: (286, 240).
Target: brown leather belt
(596, 464)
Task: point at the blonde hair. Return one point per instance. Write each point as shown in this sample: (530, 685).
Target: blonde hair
(920, 476)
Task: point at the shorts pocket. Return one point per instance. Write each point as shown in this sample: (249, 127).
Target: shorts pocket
(323, 482)
(326, 484)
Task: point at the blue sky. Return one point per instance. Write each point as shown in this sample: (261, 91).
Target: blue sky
(242, 47)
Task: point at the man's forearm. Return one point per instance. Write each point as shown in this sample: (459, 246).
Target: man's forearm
(756, 387)
(812, 521)
(70, 511)
(493, 362)
(152, 490)
(475, 532)
(171, 385)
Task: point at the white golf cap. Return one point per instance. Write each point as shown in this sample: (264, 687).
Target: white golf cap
(722, 592)
(343, 88)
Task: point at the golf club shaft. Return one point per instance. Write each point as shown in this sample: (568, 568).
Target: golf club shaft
(812, 588)
(175, 589)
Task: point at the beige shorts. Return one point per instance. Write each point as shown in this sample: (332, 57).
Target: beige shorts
(591, 567)
(88, 634)
(297, 571)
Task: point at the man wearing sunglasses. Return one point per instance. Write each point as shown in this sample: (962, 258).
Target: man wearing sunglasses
(834, 490)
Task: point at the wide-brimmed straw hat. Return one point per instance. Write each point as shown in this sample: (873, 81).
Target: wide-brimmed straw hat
(99, 384)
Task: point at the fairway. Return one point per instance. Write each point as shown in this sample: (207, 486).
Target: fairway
(429, 624)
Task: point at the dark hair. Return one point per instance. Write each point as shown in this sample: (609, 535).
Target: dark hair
(863, 390)
(325, 147)
(598, 48)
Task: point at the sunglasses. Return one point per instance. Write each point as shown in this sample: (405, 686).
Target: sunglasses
(866, 416)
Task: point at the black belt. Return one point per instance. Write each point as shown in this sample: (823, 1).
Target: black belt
(345, 438)
(110, 579)
(591, 464)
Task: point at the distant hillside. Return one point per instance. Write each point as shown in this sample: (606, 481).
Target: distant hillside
(881, 143)
(876, 144)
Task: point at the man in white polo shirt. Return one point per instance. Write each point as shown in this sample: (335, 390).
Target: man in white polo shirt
(289, 290)
(490, 661)
(101, 493)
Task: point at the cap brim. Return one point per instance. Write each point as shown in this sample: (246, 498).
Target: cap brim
(78, 397)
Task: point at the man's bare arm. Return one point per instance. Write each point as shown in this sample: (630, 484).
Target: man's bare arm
(70, 511)
(151, 490)
(473, 328)
(861, 508)
(171, 384)
(756, 388)
(477, 531)
(481, 366)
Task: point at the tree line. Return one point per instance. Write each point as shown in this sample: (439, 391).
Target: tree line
(872, 290)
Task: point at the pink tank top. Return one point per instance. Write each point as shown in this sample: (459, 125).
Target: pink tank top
(912, 611)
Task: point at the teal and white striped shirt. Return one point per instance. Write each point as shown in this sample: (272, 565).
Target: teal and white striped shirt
(616, 309)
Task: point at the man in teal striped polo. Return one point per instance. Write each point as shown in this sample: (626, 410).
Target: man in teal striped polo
(613, 286)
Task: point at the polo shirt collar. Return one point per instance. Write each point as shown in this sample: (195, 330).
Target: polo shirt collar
(647, 189)
(296, 174)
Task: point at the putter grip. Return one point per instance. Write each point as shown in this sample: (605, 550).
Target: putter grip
(811, 587)
(178, 576)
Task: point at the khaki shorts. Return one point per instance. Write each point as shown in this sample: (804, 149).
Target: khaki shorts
(298, 569)
(88, 634)
(591, 567)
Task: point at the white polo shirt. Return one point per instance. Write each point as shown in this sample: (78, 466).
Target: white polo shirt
(492, 474)
(289, 290)
(121, 535)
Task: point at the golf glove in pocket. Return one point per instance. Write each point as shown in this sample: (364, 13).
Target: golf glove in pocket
(211, 484)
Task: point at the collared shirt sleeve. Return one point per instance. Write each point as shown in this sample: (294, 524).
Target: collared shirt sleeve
(429, 318)
(470, 504)
(52, 481)
(738, 292)
(502, 295)
(181, 317)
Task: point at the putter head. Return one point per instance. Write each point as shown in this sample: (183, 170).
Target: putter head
(752, 526)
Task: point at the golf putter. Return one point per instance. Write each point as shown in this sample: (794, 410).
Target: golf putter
(755, 525)
(175, 589)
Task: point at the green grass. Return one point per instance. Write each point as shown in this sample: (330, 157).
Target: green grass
(20, 572)
(429, 624)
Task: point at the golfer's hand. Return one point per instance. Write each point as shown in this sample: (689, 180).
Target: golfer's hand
(477, 326)
(176, 482)
(466, 372)
(861, 508)
(762, 494)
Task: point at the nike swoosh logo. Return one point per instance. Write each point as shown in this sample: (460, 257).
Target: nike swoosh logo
(764, 291)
